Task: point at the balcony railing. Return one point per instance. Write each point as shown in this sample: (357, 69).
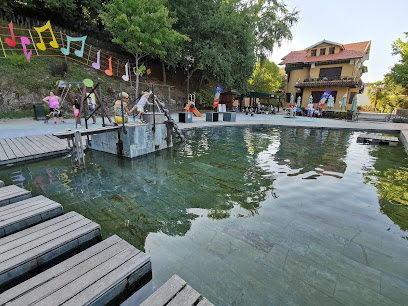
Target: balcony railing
(332, 81)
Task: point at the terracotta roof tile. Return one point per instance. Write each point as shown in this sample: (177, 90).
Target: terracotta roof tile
(353, 50)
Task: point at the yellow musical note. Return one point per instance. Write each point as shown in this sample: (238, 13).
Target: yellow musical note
(53, 43)
(78, 53)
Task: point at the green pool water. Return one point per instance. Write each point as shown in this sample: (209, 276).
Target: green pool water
(251, 215)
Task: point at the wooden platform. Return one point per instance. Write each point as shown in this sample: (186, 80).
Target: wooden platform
(87, 132)
(377, 139)
(95, 276)
(23, 214)
(21, 149)
(176, 292)
(29, 251)
(11, 194)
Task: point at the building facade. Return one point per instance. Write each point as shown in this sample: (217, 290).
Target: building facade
(325, 66)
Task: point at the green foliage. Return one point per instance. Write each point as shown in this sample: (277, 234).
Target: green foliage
(14, 114)
(18, 60)
(205, 97)
(386, 95)
(399, 73)
(266, 78)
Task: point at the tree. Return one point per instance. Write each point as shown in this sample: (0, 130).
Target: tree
(266, 78)
(399, 73)
(272, 21)
(386, 95)
(140, 27)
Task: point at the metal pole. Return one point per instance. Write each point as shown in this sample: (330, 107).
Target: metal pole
(121, 103)
(100, 103)
(154, 113)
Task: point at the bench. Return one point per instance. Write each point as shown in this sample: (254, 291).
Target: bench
(34, 249)
(96, 276)
(20, 215)
(176, 292)
(11, 194)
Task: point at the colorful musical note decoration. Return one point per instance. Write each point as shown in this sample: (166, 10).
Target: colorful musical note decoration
(39, 30)
(109, 71)
(25, 41)
(11, 42)
(78, 53)
(97, 65)
(126, 77)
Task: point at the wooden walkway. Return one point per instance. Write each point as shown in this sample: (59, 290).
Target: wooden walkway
(21, 149)
(377, 139)
(93, 276)
(11, 194)
(176, 292)
(43, 245)
(21, 215)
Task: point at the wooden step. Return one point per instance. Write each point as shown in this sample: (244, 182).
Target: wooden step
(32, 250)
(176, 292)
(21, 215)
(95, 276)
(11, 194)
(1, 183)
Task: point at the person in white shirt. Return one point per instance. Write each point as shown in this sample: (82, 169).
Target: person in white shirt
(310, 109)
(141, 104)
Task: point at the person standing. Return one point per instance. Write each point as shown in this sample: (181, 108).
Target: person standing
(141, 104)
(92, 107)
(310, 109)
(54, 102)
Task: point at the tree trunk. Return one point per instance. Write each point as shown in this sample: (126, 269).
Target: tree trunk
(137, 74)
(164, 72)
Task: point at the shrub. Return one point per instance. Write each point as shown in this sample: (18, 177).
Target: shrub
(205, 97)
(18, 60)
(59, 69)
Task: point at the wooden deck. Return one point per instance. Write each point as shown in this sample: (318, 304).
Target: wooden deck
(377, 139)
(23, 214)
(11, 194)
(95, 276)
(176, 292)
(22, 149)
(43, 245)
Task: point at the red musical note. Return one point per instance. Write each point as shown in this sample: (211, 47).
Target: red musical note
(109, 71)
(97, 65)
(11, 42)
(25, 41)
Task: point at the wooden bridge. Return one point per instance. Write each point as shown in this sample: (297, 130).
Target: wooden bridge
(51, 258)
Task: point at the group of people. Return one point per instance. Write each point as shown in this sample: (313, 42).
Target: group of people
(55, 111)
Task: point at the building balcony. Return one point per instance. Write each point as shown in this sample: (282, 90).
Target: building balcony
(330, 82)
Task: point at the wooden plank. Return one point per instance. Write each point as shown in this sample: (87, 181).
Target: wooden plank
(59, 270)
(29, 149)
(60, 280)
(205, 302)
(186, 297)
(7, 149)
(20, 215)
(3, 155)
(62, 144)
(11, 194)
(97, 281)
(47, 143)
(14, 148)
(33, 143)
(37, 228)
(166, 292)
(18, 145)
(67, 134)
(23, 257)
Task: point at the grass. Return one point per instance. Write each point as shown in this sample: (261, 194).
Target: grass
(14, 114)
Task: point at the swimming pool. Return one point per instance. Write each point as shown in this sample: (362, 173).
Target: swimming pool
(251, 215)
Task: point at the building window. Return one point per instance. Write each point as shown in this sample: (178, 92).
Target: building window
(331, 50)
(323, 51)
(352, 94)
(317, 95)
(288, 97)
(313, 53)
(288, 74)
(330, 73)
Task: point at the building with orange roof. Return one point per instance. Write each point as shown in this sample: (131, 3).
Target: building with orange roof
(323, 66)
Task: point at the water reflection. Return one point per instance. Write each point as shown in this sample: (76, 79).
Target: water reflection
(390, 177)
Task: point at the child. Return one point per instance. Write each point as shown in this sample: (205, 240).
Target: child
(56, 111)
(76, 108)
(92, 107)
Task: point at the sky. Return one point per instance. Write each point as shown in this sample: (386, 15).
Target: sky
(349, 21)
